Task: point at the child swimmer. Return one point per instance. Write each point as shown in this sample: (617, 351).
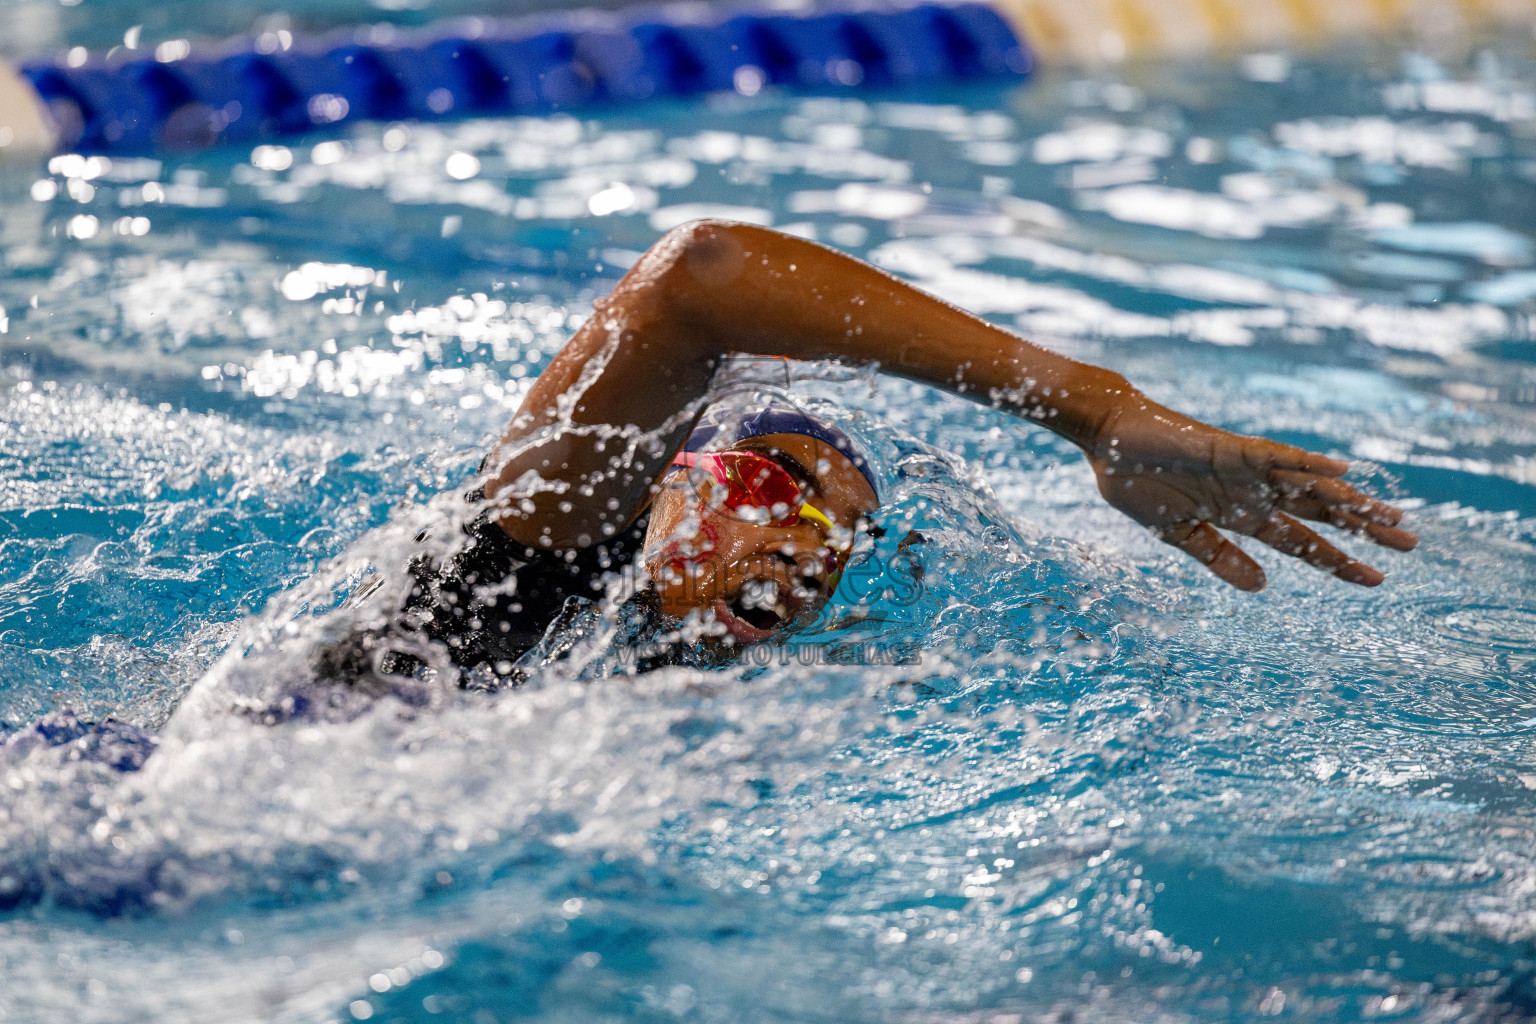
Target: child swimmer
(742, 520)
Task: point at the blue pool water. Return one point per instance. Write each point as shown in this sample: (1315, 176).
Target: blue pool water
(1097, 785)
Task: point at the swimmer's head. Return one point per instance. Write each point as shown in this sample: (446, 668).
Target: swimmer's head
(753, 522)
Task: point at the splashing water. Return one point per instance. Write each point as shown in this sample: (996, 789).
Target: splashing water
(1053, 769)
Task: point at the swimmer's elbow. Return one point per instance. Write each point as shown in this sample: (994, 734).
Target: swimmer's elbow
(690, 276)
(694, 293)
(709, 243)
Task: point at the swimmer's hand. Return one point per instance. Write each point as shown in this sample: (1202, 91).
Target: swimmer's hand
(1185, 480)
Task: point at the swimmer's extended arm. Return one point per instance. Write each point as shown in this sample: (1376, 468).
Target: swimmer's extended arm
(605, 417)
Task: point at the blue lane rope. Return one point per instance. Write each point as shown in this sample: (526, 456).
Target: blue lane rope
(238, 94)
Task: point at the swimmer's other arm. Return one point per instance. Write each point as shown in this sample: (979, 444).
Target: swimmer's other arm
(580, 457)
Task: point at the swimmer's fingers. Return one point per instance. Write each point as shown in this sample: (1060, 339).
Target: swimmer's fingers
(1287, 457)
(1216, 553)
(1336, 503)
(1333, 494)
(1392, 537)
(1290, 537)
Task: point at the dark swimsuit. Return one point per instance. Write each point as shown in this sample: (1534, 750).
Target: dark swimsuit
(488, 604)
(494, 599)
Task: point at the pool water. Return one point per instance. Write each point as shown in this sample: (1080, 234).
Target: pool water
(1077, 777)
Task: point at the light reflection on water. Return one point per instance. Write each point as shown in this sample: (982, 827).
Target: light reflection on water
(1109, 787)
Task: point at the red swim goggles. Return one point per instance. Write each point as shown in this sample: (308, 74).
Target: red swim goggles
(757, 489)
(761, 491)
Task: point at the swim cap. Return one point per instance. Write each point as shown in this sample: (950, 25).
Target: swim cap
(724, 427)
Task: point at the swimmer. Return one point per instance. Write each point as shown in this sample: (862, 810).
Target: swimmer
(742, 519)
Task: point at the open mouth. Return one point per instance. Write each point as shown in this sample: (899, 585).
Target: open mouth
(758, 610)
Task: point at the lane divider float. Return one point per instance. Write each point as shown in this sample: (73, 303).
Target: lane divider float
(182, 96)
(277, 85)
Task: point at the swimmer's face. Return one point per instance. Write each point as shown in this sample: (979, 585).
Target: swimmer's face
(754, 579)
